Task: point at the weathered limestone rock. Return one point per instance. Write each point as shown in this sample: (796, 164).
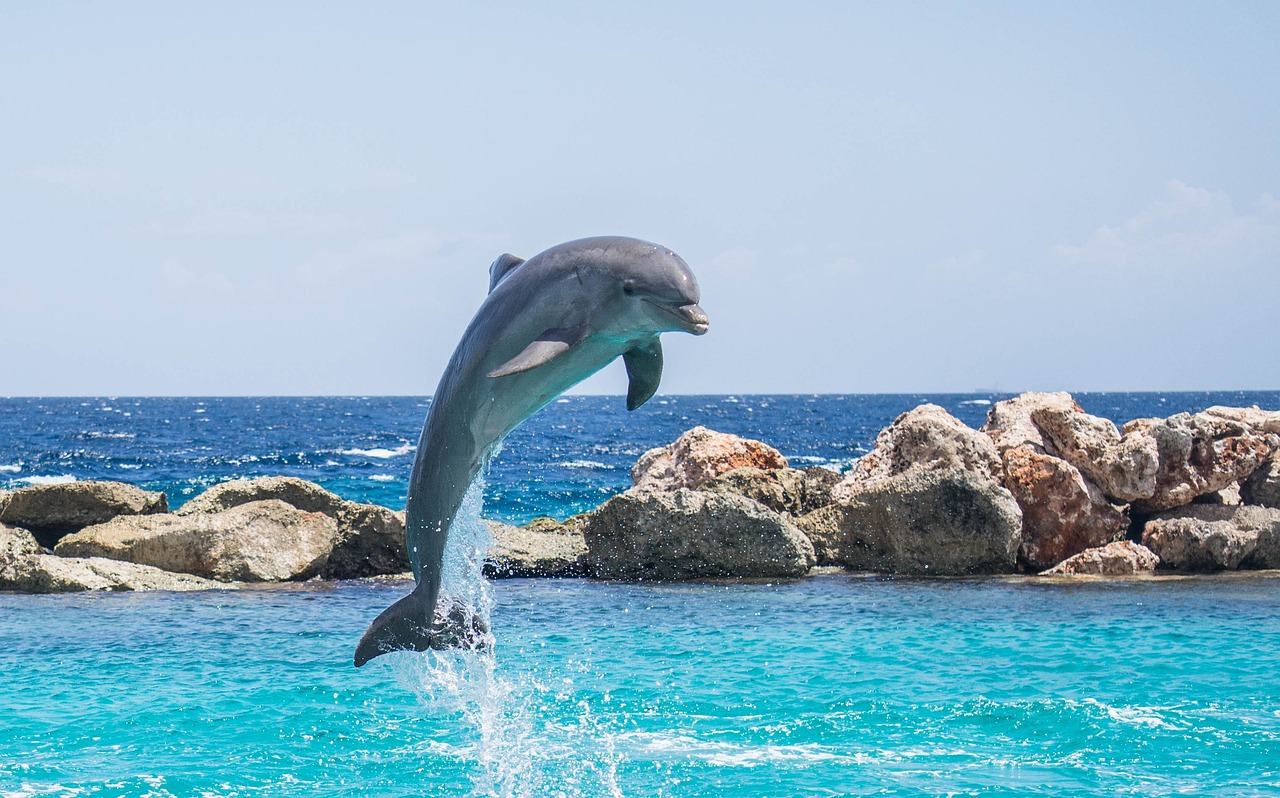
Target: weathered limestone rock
(1123, 469)
(545, 547)
(936, 522)
(1062, 513)
(688, 534)
(1262, 421)
(1206, 537)
(51, 511)
(1121, 558)
(306, 496)
(698, 456)
(1199, 454)
(25, 567)
(370, 539)
(369, 542)
(262, 541)
(926, 438)
(784, 490)
(1263, 486)
(1009, 423)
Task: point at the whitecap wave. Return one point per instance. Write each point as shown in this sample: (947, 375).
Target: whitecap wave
(47, 480)
(382, 478)
(976, 402)
(581, 464)
(380, 453)
(10, 469)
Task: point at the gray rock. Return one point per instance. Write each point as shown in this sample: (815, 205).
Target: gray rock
(926, 438)
(1264, 421)
(1121, 558)
(369, 542)
(1263, 486)
(697, 456)
(937, 522)
(51, 511)
(784, 490)
(543, 548)
(262, 541)
(1206, 537)
(306, 496)
(1063, 514)
(688, 534)
(25, 567)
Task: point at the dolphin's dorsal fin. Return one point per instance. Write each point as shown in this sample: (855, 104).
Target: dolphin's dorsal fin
(644, 370)
(501, 268)
(548, 346)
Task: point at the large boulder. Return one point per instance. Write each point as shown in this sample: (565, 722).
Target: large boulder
(306, 496)
(25, 567)
(926, 438)
(51, 511)
(1124, 468)
(922, 521)
(1010, 425)
(1062, 512)
(791, 491)
(698, 456)
(544, 548)
(1263, 486)
(1263, 421)
(688, 534)
(370, 539)
(262, 541)
(1121, 558)
(1206, 537)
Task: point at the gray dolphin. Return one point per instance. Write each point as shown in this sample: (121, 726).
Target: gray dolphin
(547, 324)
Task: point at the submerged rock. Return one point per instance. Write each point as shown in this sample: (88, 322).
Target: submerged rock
(52, 511)
(698, 456)
(1120, 558)
(1206, 537)
(938, 522)
(688, 534)
(262, 541)
(545, 547)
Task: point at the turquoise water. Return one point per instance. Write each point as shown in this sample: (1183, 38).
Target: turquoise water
(836, 685)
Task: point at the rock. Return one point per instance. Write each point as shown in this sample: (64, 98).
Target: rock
(25, 567)
(1121, 558)
(545, 548)
(1263, 486)
(51, 511)
(928, 438)
(306, 496)
(689, 534)
(262, 541)
(1206, 537)
(369, 542)
(1230, 495)
(1263, 421)
(1062, 513)
(922, 521)
(1199, 454)
(784, 490)
(698, 456)
(1123, 469)
(1009, 423)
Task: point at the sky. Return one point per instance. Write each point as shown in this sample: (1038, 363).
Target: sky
(304, 198)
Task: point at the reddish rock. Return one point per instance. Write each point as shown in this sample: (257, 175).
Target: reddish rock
(1121, 558)
(1009, 423)
(1062, 513)
(698, 456)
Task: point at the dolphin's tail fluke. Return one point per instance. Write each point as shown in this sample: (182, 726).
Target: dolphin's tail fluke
(408, 625)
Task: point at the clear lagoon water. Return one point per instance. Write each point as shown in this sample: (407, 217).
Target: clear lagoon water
(834, 685)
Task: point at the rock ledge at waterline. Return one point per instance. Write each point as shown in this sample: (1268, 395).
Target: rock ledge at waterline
(1042, 487)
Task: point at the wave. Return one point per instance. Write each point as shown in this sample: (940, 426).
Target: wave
(581, 464)
(47, 480)
(382, 478)
(10, 469)
(380, 453)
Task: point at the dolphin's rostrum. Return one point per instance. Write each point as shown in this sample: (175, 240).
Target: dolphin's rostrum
(547, 324)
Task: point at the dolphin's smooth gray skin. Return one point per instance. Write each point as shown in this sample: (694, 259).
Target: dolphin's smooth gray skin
(548, 323)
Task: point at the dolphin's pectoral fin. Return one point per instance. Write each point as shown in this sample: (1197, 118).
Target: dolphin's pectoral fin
(406, 626)
(644, 370)
(501, 268)
(548, 346)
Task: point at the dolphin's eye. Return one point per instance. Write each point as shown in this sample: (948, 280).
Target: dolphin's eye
(628, 288)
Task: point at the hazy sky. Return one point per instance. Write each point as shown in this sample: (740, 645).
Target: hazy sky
(304, 198)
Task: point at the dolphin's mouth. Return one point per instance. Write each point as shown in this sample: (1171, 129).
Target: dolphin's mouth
(691, 317)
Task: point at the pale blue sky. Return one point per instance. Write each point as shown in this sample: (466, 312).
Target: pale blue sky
(265, 198)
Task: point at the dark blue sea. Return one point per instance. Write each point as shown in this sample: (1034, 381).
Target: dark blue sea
(827, 686)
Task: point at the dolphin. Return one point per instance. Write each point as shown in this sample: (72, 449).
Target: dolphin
(548, 323)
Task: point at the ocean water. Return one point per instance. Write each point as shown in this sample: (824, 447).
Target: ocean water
(834, 685)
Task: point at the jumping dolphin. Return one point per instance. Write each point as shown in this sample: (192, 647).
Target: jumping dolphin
(547, 324)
